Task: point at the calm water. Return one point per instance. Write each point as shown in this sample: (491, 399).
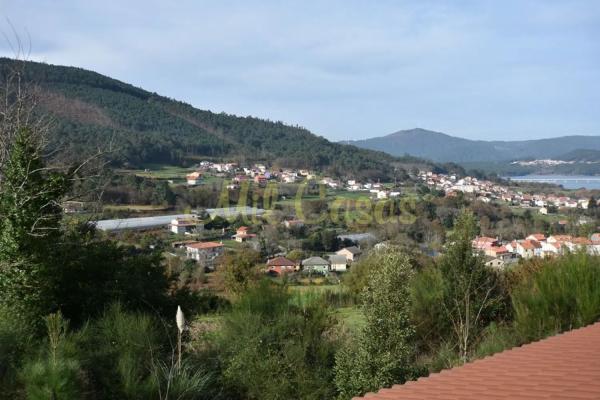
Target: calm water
(568, 181)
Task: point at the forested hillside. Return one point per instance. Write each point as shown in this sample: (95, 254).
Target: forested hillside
(90, 110)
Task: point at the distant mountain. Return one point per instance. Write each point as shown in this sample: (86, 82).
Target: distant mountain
(90, 109)
(440, 147)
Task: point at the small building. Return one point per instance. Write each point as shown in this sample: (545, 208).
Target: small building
(194, 178)
(483, 242)
(551, 249)
(205, 253)
(578, 244)
(528, 248)
(280, 265)
(315, 264)
(496, 251)
(185, 226)
(338, 263)
(351, 253)
(242, 235)
(495, 263)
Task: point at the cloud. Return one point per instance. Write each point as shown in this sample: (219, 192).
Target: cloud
(345, 69)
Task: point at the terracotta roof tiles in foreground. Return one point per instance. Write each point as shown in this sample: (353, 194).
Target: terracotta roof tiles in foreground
(565, 366)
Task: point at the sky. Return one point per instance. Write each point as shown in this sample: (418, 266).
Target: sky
(344, 69)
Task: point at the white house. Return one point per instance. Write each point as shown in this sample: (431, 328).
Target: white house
(337, 263)
(194, 178)
(551, 249)
(382, 194)
(351, 253)
(185, 226)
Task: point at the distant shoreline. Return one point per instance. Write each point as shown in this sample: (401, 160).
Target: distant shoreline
(589, 182)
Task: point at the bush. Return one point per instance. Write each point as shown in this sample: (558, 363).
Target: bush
(16, 337)
(55, 374)
(121, 347)
(563, 295)
(275, 346)
(45, 379)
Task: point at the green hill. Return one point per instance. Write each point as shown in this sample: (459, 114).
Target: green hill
(91, 110)
(440, 147)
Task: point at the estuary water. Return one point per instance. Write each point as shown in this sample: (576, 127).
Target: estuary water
(567, 181)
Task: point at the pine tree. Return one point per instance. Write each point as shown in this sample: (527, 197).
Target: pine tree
(30, 216)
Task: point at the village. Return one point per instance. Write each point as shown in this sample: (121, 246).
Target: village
(261, 175)
(190, 240)
(501, 254)
(487, 191)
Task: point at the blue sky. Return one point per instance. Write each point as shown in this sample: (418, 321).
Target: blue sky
(344, 69)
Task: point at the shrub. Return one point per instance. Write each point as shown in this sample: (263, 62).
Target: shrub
(16, 337)
(563, 295)
(275, 346)
(55, 374)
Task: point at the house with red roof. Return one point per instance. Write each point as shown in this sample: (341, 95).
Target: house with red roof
(194, 178)
(484, 242)
(551, 249)
(539, 237)
(527, 248)
(206, 254)
(280, 265)
(578, 244)
(243, 235)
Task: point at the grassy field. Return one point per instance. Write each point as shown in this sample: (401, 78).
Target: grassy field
(315, 288)
(352, 317)
(231, 244)
(349, 195)
(134, 207)
(551, 218)
(159, 171)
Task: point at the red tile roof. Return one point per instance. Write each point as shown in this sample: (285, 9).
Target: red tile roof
(530, 244)
(205, 245)
(538, 236)
(561, 238)
(281, 261)
(565, 366)
(581, 241)
(499, 249)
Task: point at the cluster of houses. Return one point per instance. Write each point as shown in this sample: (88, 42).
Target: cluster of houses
(487, 191)
(337, 262)
(377, 190)
(258, 173)
(208, 255)
(261, 175)
(500, 254)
